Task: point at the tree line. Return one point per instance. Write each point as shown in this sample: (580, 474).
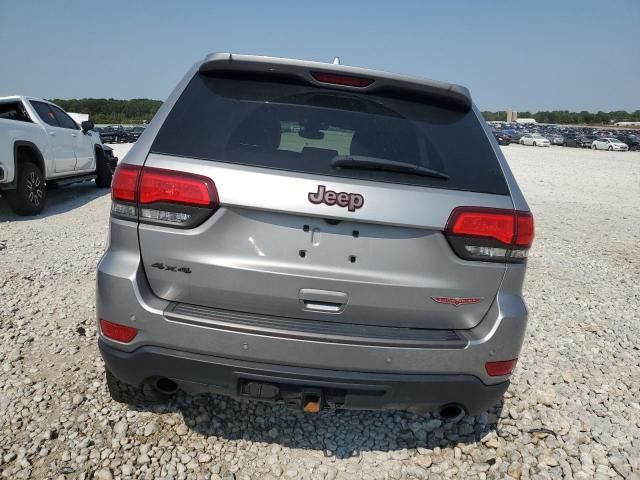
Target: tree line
(110, 110)
(565, 117)
(141, 110)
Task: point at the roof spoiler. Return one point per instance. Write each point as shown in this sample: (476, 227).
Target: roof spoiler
(381, 82)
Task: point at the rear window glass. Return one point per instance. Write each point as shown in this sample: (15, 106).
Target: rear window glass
(45, 113)
(298, 127)
(14, 111)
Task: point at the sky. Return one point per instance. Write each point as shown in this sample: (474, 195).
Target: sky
(539, 55)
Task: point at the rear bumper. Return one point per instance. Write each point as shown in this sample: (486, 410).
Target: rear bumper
(205, 352)
(196, 373)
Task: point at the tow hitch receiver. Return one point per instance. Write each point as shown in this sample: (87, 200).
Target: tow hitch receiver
(311, 401)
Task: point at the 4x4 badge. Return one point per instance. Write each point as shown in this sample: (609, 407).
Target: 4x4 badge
(352, 201)
(171, 268)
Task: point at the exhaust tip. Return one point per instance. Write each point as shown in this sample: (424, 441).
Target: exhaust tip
(451, 412)
(166, 386)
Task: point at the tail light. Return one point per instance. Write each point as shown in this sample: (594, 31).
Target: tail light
(163, 197)
(499, 368)
(116, 331)
(490, 234)
(125, 182)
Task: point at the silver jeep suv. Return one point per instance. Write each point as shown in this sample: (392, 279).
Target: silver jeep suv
(316, 235)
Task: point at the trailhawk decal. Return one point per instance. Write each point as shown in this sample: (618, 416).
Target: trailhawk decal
(457, 301)
(352, 201)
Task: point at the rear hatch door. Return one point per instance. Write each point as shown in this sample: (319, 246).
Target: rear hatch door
(294, 235)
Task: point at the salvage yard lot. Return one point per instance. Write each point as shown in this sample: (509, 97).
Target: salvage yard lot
(573, 408)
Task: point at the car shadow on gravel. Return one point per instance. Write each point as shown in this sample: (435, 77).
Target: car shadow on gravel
(59, 201)
(341, 433)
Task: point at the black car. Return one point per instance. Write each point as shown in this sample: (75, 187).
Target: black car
(587, 140)
(579, 141)
(134, 133)
(114, 134)
(633, 141)
(572, 141)
(516, 138)
(502, 138)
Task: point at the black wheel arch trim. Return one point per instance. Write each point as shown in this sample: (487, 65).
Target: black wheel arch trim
(39, 159)
(104, 148)
(108, 155)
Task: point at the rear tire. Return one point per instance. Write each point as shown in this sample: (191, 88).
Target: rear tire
(131, 395)
(610, 148)
(535, 144)
(28, 198)
(103, 170)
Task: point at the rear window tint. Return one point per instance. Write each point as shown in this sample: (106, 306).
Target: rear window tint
(14, 111)
(298, 127)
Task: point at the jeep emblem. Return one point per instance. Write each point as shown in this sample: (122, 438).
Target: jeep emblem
(352, 201)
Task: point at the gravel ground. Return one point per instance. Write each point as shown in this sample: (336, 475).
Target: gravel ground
(572, 411)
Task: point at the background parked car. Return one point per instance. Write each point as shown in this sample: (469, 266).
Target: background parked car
(571, 141)
(515, 138)
(113, 134)
(556, 139)
(502, 138)
(134, 133)
(611, 144)
(578, 141)
(632, 141)
(535, 139)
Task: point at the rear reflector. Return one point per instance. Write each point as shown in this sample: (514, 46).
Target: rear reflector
(345, 80)
(503, 367)
(490, 234)
(115, 331)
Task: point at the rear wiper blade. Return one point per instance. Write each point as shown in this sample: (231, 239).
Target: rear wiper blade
(374, 163)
